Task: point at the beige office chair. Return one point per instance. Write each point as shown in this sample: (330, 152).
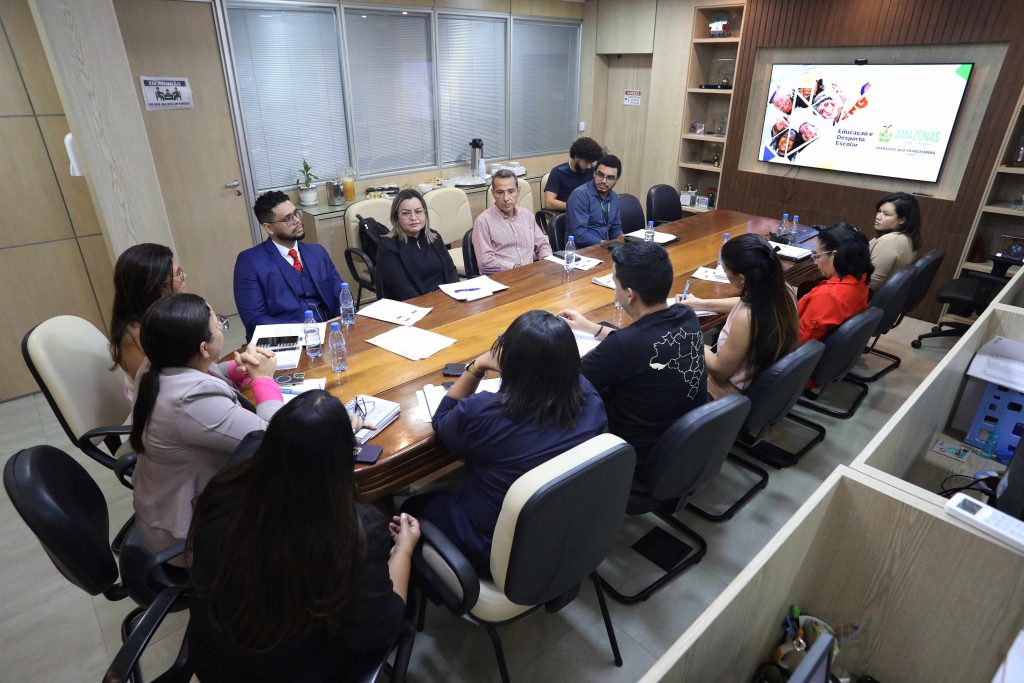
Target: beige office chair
(543, 184)
(358, 269)
(525, 200)
(450, 216)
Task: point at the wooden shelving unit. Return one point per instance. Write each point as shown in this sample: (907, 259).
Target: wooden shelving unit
(710, 60)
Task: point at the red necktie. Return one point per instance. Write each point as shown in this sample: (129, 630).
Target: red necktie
(295, 259)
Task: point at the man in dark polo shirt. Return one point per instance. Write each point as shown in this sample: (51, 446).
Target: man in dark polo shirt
(565, 178)
(651, 373)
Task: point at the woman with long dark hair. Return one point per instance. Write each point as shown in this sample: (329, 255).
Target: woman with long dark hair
(843, 257)
(544, 408)
(412, 259)
(143, 273)
(292, 575)
(762, 324)
(188, 415)
(898, 235)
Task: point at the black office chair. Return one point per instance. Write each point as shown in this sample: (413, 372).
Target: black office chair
(557, 523)
(631, 213)
(891, 297)
(772, 394)
(688, 454)
(67, 512)
(927, 266)
(557, 234)
(544, 218)
(663, 204)
(843, 347)
(469, 255)
(966, 296)
(360, 260)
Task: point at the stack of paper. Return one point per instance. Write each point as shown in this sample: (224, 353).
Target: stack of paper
(293, 390)
(659, 237)
(472, 289)
(391, 311)
(792, 253)
(604, 281)
(585, 342)
(430, 396)
(711, 275)
(581, 262)
(379, 413)
(1000, 361)
(412, 342)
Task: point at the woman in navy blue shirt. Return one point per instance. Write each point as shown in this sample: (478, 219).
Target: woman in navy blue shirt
(544, 408)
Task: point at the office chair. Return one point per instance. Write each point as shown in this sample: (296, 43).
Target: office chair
(544, 215)
(966, 296)
(926, 267)
(557, 234)
(469, 264)
(557, 523)
(843, 346)
(524, 201)
(631, 213)
(891, 297)
(359, 256)
(450, 216)
(663, 204)
(689, 453)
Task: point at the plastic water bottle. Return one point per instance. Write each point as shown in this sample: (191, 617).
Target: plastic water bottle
(649, 232)
(347, 306)
(988, 451)
(794, 228)
(570, 253)
(721, 266)
(784, 224)
(336, 347)
(312, 335)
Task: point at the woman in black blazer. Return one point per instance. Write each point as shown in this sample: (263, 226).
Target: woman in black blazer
(412, 259)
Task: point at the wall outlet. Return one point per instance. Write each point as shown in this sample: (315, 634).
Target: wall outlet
(583, 126)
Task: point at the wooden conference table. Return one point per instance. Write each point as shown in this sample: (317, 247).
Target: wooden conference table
(410, 449)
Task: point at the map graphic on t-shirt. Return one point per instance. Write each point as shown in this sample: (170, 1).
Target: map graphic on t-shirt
(683, 352)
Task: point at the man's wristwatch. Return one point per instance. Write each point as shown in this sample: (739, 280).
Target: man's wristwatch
(473, 370)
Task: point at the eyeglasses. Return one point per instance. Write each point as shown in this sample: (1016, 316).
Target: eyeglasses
(601, 176)
(407, 214)
(819, 254)
(179, 275)
(222, 322)
(362, 407)
(294, 217)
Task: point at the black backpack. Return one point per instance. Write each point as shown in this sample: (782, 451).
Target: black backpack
(370, 233)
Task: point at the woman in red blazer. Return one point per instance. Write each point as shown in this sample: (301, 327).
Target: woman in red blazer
(843, 257)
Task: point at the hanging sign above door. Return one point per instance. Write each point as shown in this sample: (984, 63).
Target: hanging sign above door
(166, 92)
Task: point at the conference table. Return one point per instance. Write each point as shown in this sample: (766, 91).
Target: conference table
(410, 449)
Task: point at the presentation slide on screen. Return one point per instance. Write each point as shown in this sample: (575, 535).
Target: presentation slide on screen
(889, 119)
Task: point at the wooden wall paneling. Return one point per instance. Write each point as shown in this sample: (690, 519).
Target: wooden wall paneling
(28, 51)
(626, 126)
(193, 149)
(47, 278)
(15, 100)
(779, 24)
(86, 53)
(73, 188)
(549, 8)
(625, 27)
(96, 254)
(29, 194)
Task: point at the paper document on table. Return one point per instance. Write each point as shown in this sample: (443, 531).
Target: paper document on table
(711, 275)
(412, 342)
(391, 311)
(581, 262)
(472, 289)
(604, 281)
(585, 342)
(792, 253)
(659, 237)
(374, 411)
(294, 390)
(1000, 361)
(698, 312)
(431, 394)
(286, 330)
(1012, 668)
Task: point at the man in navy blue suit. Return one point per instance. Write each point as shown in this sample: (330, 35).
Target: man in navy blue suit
(277, 281)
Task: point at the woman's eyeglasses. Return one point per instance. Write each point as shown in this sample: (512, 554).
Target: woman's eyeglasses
(820, 254)
(222, 322)
(179, 275)
(407, 214)
(362, 407)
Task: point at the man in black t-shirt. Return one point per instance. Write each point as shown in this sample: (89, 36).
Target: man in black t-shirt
(565, 178)
(651, 373)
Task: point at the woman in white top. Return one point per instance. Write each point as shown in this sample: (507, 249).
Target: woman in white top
(898, 235)
(762, 325)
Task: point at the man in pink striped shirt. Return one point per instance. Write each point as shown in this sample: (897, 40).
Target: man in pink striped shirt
(506, 236)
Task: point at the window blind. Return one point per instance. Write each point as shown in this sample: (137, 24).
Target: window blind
(545, 86)
(392, 70)
(471, 73)
(288, 68)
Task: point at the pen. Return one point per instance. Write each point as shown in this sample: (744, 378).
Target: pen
(468, 289)
(286, 390)
(686, 290)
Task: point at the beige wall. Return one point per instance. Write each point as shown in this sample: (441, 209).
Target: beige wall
(53, 259)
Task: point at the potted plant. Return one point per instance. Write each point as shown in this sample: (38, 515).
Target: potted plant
(307, 191)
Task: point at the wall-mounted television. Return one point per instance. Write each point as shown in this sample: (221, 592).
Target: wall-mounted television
(890, 120)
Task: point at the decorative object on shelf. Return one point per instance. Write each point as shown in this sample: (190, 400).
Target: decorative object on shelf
(711, 198)
(1013, 248)
(1018, 159)
(686, 197)
(702, 202)
(720, 127)
(722, 71)
(719, 29)
(697, 127)
(307, 191)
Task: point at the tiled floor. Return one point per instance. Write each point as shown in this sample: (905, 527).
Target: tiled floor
(51, 631)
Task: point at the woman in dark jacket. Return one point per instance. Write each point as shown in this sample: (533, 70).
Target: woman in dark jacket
(412, 259)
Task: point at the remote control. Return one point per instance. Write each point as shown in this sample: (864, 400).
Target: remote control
(988, 519)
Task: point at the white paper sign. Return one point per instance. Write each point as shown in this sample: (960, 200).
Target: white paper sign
(631, 98)
(166, 92)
